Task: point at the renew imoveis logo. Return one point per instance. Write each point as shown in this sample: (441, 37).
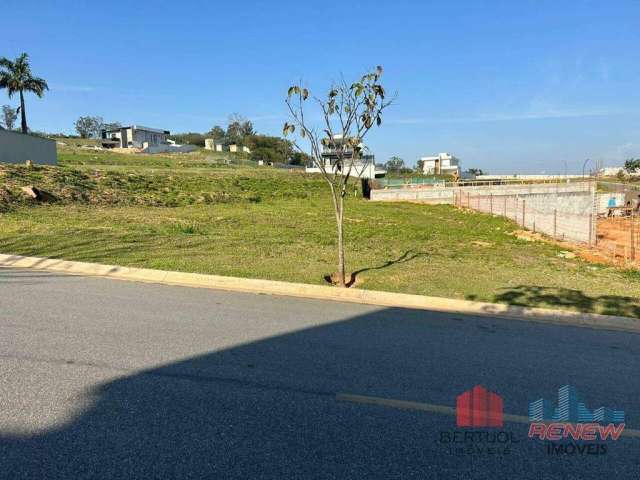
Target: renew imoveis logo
(572, 421)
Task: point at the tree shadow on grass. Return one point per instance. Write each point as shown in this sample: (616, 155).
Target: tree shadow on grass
(407, 256)
(539, 296)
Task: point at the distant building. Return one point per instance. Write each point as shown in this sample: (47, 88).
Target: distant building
(134, 136)
(610, 171)
(362, 167)
(441, 164)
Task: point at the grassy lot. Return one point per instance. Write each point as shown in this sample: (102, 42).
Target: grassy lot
(271, 224)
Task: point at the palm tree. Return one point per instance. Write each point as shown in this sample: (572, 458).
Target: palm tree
(16, 77)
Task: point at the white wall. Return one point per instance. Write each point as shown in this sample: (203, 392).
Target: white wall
(445, 195)
(18, 148)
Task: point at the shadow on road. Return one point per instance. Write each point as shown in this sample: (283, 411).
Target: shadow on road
(267, 409)
(25, 277)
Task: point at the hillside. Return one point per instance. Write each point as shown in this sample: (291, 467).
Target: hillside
(190, 214)
(182, 186)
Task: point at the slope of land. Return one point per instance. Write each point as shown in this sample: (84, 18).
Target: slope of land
(190, 215)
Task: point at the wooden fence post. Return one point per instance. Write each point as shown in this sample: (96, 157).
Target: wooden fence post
(523, 212)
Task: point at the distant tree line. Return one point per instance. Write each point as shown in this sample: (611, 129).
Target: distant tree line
(240, 131)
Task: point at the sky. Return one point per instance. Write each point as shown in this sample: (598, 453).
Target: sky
(506, 86)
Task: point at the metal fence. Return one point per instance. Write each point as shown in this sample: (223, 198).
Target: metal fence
(561, 215)
(619, 235)
(618, 226)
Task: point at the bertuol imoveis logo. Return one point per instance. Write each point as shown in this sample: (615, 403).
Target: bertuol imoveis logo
(571, 428)
(479, 418)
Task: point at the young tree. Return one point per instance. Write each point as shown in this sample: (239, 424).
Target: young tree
(9, 116)
(419, 166)
(349, 112)
(88, 127)
(16, 77)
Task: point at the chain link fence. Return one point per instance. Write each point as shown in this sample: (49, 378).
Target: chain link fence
(561, 215)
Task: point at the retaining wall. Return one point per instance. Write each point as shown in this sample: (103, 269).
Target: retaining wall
(18, 148)
(438, 195)
(562, 215)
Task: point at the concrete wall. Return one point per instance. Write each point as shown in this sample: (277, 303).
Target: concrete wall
(561, 210)
(562, 215)
(18, 148)
(446, 194)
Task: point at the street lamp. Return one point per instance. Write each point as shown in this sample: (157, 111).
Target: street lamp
(584, 165)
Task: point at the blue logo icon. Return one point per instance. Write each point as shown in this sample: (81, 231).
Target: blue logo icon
(571, 409)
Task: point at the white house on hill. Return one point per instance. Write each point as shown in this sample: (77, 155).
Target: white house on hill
(362, 167)
(134, 136)
(441, 164)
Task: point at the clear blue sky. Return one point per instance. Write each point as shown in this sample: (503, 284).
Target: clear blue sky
(506, 86)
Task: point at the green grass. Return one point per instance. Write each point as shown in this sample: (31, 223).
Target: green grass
(271, 224)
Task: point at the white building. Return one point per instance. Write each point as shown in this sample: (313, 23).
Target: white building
(134, 136)
(441, 164)
(362, 167)
(610, 171)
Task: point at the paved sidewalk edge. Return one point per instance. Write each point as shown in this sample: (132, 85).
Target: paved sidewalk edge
(353, 295)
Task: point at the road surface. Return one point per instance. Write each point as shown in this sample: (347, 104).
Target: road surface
(110, 379)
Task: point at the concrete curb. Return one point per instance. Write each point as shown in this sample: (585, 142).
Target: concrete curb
(352, 295)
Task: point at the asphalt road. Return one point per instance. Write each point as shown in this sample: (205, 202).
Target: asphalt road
(110, 379)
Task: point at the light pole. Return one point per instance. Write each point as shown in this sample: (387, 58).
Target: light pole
(584, 165)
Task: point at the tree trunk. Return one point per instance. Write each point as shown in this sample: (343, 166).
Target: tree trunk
(340, 222)
(23, 115)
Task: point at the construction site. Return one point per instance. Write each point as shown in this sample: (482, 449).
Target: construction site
(600, 219)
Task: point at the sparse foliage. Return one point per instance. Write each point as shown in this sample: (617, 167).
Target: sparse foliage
(88, 127)
(239, 129)
(217, 133)
(16, 77)
(9, 115)
(476, 171)
(632, 165)
(348, 114)
(394, 164)
(111, 126)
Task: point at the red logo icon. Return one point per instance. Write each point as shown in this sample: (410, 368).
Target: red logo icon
(479, 408)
